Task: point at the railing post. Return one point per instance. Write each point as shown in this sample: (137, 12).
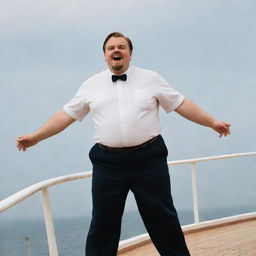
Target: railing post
(195, 194)
(53, 250)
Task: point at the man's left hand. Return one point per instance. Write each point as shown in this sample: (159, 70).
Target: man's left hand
(222, 128)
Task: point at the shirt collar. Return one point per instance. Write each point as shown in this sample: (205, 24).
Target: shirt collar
(110, 73)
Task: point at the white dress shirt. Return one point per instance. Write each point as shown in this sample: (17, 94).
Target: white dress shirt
(124, 113)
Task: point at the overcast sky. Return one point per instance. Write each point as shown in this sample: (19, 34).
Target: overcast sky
(204, 48)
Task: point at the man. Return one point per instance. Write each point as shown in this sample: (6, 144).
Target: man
(129, 153)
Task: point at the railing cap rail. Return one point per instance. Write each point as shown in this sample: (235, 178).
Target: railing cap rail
(29, 191)
(210, 158)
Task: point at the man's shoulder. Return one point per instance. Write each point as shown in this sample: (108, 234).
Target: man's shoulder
(93, 81)
(143, 71)
(147, 73)
(97, 77)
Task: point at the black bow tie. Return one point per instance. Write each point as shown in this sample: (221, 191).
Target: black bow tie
(122, 77)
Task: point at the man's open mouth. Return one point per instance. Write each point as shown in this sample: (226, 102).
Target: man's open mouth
(117, 58)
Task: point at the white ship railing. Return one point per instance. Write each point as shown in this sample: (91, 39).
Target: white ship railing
(43, 186)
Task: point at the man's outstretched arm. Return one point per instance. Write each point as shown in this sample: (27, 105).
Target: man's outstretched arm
(192, 112)
(57, 123)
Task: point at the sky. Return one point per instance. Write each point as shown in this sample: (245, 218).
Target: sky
(205, 49)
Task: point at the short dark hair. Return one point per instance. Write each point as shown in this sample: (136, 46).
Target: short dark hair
(117, 34)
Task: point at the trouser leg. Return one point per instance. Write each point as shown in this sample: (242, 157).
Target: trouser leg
(109, 192)
(151, 188)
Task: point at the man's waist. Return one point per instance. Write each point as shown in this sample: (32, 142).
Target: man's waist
(128, 149)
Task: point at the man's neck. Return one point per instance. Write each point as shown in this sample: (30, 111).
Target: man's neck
(119, 72)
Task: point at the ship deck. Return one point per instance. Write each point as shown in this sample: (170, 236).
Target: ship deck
(230, 239)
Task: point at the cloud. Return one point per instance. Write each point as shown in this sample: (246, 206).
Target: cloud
(46, 18)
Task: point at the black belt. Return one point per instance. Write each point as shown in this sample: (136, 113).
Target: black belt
(128, 149)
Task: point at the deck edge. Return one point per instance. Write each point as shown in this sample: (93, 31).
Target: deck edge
(210, 224)
(137, 241)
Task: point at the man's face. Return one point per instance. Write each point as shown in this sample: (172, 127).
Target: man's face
(117, 55)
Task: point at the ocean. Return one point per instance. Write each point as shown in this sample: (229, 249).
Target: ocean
(27, 237)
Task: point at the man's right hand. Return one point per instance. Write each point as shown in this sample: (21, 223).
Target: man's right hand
(26, 141)
(58, 122)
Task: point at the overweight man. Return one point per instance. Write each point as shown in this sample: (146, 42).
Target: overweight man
(130, 153)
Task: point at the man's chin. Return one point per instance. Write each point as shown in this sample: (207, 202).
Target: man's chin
(117, 67)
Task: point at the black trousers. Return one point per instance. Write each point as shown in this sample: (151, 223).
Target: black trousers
(145, 173)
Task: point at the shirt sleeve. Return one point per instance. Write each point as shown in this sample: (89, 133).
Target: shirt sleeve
(169, 98)
(77, 107)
